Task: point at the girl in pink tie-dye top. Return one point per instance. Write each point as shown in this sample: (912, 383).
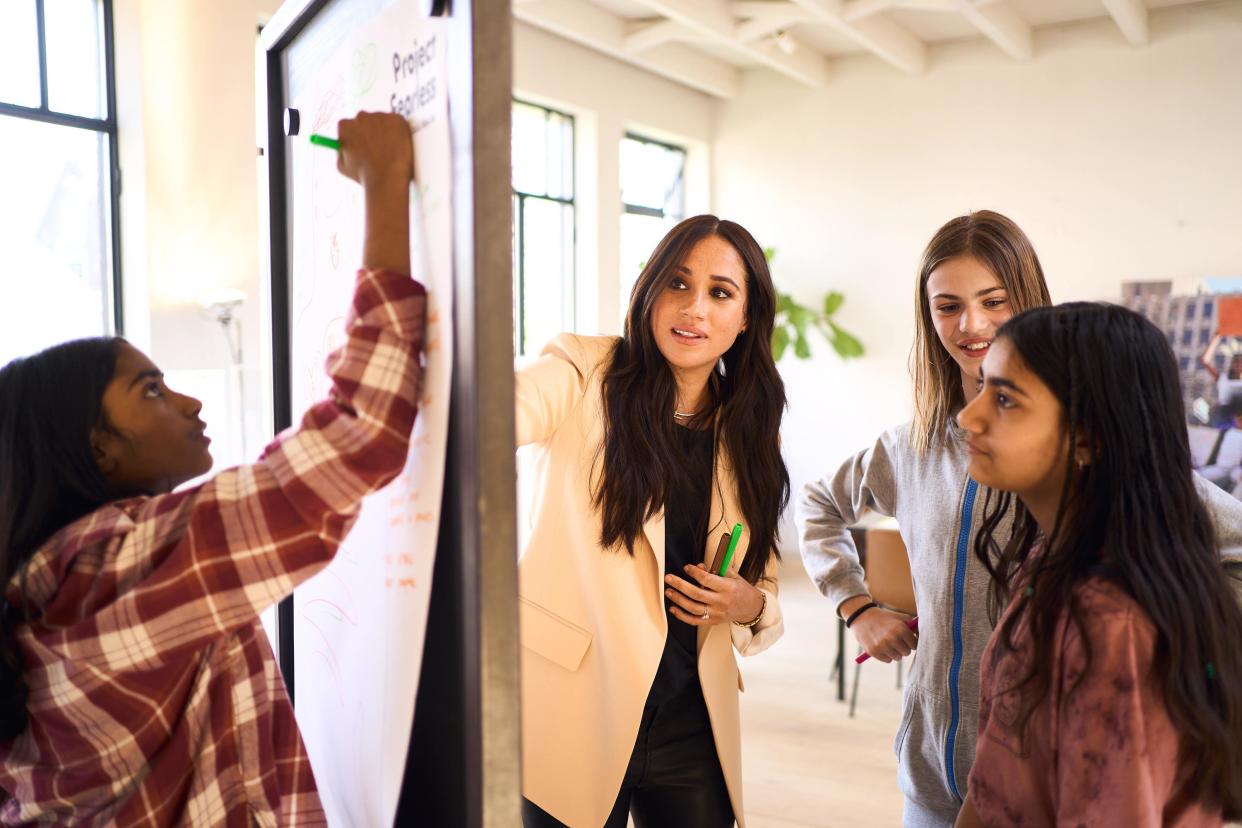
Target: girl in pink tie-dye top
(1111, 689)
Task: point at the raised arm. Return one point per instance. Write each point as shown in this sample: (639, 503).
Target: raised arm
(1207, 360)
(186, 568)
(548, 389)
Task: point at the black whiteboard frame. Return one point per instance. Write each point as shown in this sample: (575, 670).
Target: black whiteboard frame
(463, 766)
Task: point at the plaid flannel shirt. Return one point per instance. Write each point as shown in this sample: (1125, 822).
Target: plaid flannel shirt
(155, 698)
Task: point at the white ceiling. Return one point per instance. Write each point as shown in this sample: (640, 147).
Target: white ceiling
(706, 43)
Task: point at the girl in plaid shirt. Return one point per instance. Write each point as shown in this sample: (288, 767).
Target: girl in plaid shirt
(136, 684)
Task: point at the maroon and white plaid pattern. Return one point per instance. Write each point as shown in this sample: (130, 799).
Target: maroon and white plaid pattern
(155, 698)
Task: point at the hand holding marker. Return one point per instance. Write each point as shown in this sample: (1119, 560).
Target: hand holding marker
(324, 141)
(913, 624)
(698, 600)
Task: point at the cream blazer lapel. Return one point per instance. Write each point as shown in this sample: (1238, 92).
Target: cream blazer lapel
(724, 512)
(653, 529)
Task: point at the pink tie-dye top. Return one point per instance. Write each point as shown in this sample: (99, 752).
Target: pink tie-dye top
(1101, 754)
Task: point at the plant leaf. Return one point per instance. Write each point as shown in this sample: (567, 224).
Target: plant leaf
(802, 348)
(780, 340)
(845, 344)
(832, 302)
(799, 317)
(769, 253)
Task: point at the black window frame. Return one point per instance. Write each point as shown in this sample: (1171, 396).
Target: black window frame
(519, 213)
(653, 212)
(107, 125)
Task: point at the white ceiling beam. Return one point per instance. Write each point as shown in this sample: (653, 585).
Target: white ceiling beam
(595, 28)
(647, 35)
(882, 36)
(764, 17)
(1002, 26)
(858, 9)
(1131, 18)
(758, 8)
(802, 63)
(713, 19)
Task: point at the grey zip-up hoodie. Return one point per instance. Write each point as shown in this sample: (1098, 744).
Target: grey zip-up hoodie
(938, 509)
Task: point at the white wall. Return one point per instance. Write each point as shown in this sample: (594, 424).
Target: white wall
(607, 98)
(189, 203)
(1119, 162)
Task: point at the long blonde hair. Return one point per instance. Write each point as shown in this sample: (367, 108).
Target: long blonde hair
(1001, 247)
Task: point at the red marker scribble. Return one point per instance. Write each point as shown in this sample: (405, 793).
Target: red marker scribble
(329, 658)
(329, 107)
(344, 616)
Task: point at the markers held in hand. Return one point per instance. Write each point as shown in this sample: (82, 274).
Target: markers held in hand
(913, 624)
(324, 141)
(734, 537)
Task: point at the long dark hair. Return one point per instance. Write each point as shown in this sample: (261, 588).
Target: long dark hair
(640, 464)
(49, 404)
(1133, 515)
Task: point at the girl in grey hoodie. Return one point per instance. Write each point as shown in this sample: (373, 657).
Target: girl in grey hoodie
(977, 271)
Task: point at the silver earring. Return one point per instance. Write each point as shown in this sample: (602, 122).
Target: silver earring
(720, 367)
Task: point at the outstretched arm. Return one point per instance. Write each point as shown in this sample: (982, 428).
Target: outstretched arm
(1209, 355)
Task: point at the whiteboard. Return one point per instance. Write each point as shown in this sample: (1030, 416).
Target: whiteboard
(359, 625)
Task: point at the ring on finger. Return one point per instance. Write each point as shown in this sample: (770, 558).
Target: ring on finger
(706, 614)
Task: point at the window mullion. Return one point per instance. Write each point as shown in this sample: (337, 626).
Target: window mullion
(114, 166)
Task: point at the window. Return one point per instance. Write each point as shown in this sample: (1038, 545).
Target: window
(1207, 308)
(1188, 337)
(543, 225)
(1190, 311)
(653, 200)
(58, 174)
(1205, 336)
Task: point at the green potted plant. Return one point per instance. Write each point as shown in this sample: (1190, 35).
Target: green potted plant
(794, 319)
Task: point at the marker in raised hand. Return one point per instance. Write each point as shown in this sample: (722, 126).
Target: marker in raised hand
(324, 141)
(913, 624)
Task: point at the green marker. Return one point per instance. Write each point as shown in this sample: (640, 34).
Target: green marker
(728, 558)
(324, 141)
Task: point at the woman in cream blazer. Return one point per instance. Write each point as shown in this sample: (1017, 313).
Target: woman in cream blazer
(629, 681)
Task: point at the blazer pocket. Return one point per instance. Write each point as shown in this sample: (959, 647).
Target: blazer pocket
(551, 636)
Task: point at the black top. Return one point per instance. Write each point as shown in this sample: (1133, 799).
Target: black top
(685, 537)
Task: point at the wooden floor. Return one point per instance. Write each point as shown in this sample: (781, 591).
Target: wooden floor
(805, 761)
